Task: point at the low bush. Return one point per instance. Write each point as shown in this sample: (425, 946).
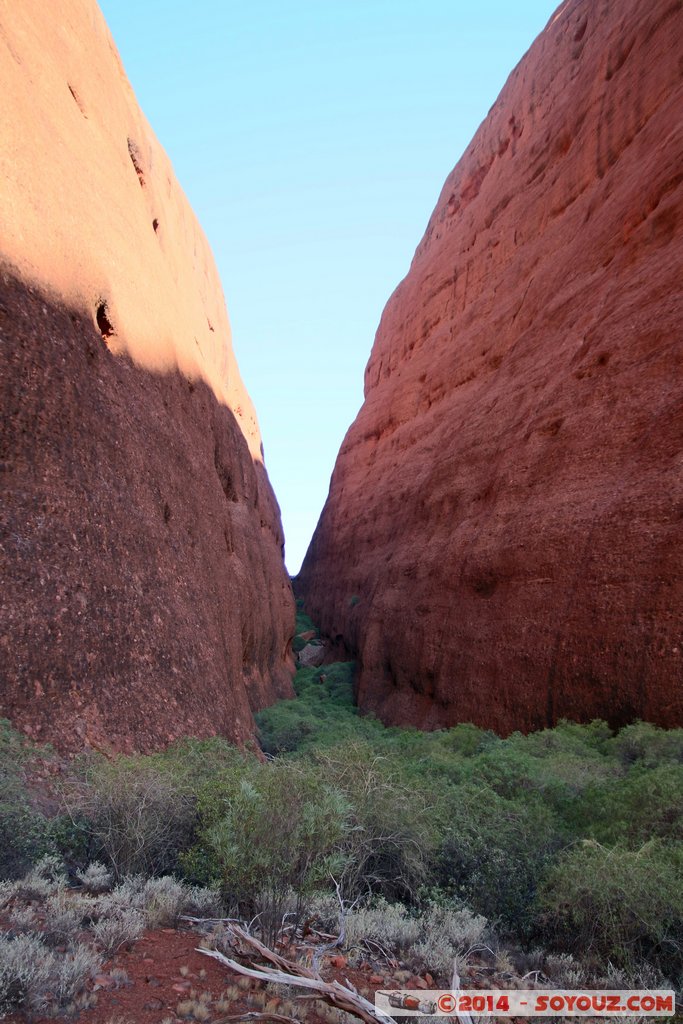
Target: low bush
(495, 851)
(24, 832)
(392, 832)
(431, 938)
(118, 929)
(644, 804)
(624, 905)
(140, 815)
(23, 920)
(44, 879)
(267, 831)
(49, 955)
(448, 936)
(34, 979)
(648, 745)
(165, 899)
(72, 971)
(24, 973)
(63, 920)
(95, 878)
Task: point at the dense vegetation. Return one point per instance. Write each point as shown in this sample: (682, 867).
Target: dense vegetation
(569, 839)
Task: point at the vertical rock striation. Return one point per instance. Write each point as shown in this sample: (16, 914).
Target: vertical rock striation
(503, 538)
(144, 591)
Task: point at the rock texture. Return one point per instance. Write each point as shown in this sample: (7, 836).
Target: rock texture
(503, 538)
(144, 591)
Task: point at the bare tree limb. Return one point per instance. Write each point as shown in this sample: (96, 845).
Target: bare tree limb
(286, 972)
(209, 920)
(254, 1015)
(464, 1018)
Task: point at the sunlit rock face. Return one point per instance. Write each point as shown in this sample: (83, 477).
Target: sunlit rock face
(144, 591)
(503, 538)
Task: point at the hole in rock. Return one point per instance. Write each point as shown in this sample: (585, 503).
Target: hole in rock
(103, 322)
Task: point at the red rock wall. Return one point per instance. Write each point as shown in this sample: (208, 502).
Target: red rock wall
(503, 538)
(144, 595)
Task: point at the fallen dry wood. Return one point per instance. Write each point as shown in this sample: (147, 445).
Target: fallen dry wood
(286, 972)
(279, 1018)
(463, 1018)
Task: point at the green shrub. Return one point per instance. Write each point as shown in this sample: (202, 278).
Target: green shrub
(549, 765)
(192, 762)
(494, 852)
(393, 826)
(645, 804)
(139, 815)
(623, 905)
(304, 623)
(467, 739)
(648, 744)
(70, 836)
(267, 831)
(284, 727)
(322, 715)
(568, 737)
(23, 830)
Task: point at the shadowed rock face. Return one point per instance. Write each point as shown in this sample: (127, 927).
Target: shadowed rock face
(144, 595)
(503, 538)
(144, 592)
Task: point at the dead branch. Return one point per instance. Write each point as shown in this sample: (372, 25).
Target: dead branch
(255, 1015)
(378, 948)
(321, 935)
(268, 954)
(209, 920)
(286, 972)
(464, 1018)
(337, 941)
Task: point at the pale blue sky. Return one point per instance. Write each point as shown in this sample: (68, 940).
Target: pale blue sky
(312, 139)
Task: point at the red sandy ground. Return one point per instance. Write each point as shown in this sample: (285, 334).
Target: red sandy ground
(155, 984)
